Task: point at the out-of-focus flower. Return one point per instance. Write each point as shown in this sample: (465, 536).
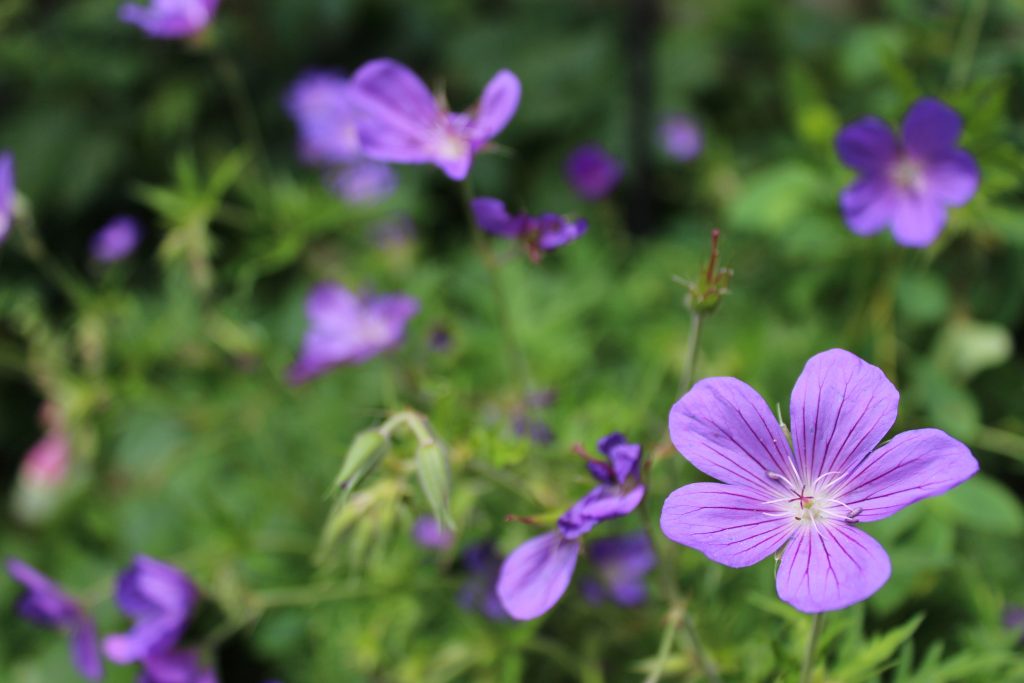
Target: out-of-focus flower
(364, 182)
(906, 184)
(7, 194)
(43, 482)
(320, 106)
(541, 233)
(116, 240)
(429, 534)
(176, 666)
(170, 19)
(810, 498)
(344, 328)
(479, 592)
(1013, 619)
(681, 137)
(45, 604)
(159, 598)
(536, 430)
(621, 563)
(402, 123)
(592, 172)
(537, 573)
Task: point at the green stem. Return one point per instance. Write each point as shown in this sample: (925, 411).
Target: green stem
(514, 352)
(672, 621)
(967, 43)
(244, 109)
(807, 670)
(35, 250)
(692, 349)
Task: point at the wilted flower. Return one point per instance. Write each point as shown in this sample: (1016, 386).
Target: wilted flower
(592, 172)
(160, 599)
(906, 185)
(681, 137)
(364, 182)
(344, 328)
(45, 604)
(320, 105)
(402, 123)
(814, 494)
(479, 592)
(7, 194)
(621, 563)
(537, 573)
(538, 233)
(428, 533)
(115, 241)
(170, 19)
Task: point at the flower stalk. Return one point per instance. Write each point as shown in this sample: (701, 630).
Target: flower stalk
(807, 670)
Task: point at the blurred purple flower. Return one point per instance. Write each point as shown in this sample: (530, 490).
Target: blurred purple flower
(45, 604)
(364, 182)
(536, 430)
(906, 184)
(537, 573)
(479, 592)
(811, 497)
(176, 666)
(429, 534)
(541, 233)
(116, 240)
(592, 172)
(621, 564)
(170, 19)
(681, 137)
(7, 194)
(327, 123)
(160, 599)
(1013, 619)
(344, 328)
(402, 123)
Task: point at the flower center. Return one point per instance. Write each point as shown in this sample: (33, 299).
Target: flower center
(907, 173)
(811, 502)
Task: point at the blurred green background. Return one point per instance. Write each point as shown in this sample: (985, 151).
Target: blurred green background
(168, 370)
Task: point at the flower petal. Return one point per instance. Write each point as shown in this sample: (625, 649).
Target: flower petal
(497, 106)
(867, 145)
(953, 177)
(841, 408)
(931, 128)
(85, 649)
(729, 524)
(398, 115)
(914, 465)
(918, 220)
(829, 567)
(536, 575)
(868, 205)
(556, 231)
(728, 432)
(492, 216)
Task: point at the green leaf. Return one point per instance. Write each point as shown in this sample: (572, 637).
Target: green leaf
(874, 656)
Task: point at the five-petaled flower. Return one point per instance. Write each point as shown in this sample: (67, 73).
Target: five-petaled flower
(906, 184)
(170, 19)
(345, 328)
(811, 495)
(402, 123)
(537, 573)
(538, 234)
(45, 604)
(592, 172)
(7, 194)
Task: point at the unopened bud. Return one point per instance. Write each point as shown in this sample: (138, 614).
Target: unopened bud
(435, 480)
(366, 450)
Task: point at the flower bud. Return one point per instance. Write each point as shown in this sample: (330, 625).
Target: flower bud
(366, 450)
(435, 480)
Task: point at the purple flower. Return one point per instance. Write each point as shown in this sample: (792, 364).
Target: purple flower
(537, 573)
(402, 123)
(681, 137)
(115, 241)
(344, 328)
(176, 666)
(1013, 619)
(906, 185)
(364, 182)
(813, 495)
(45, 604)
(541, 233)
(319, 103)
(479, 592)
(621, 564)
(170, 19)
(160, 599)
(429, 534)
(7, 194)
(592, 172)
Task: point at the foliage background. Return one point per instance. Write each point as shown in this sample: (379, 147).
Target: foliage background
(191, 447)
